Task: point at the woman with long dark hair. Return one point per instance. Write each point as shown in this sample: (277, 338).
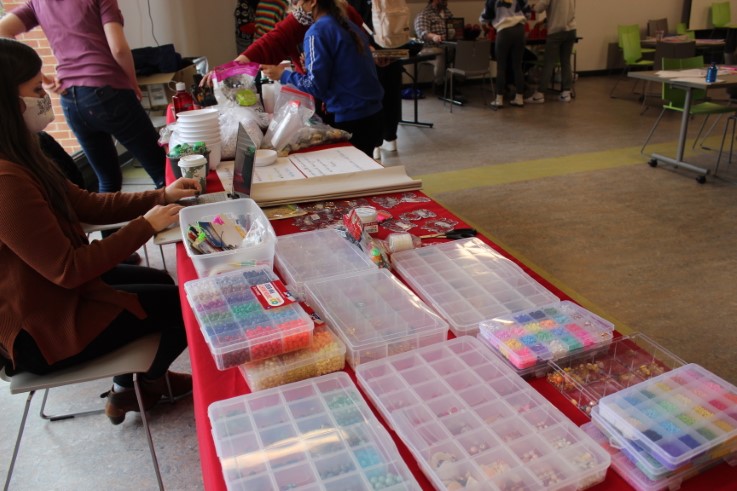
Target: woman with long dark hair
(340, 70)
(64, 300)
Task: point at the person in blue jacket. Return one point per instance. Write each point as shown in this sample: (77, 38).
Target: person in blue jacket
(340, 70)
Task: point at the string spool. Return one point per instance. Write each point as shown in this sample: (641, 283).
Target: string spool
(401, 241)
(369, 218)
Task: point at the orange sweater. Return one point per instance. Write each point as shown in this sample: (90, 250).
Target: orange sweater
(50, 284)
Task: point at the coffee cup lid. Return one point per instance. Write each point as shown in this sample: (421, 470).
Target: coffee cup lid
(192, 160)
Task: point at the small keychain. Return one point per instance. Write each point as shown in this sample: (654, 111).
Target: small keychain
(439, 225)
(397, 225)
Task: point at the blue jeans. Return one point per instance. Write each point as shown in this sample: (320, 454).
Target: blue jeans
(96, 115)
(558, 48)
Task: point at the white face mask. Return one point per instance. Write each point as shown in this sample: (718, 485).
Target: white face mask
(38, 113)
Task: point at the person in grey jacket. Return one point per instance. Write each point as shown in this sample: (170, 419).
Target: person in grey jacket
(561, 21)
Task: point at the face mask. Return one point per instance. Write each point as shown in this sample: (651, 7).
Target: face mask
(38, 113)
(302, 16)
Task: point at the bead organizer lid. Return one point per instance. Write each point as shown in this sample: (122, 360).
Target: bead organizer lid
(634, 476)
(325, 355)
(374, 314)
(471, 422)
(626, 361)
(467, 282)
(236, 327)
(532, 337)
(315, 255)
(317, 434)
(677, 416)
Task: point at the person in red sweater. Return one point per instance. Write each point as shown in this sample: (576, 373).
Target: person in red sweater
(64, 300)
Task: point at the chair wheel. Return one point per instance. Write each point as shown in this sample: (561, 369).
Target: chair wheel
(701, 179)
(652, 162)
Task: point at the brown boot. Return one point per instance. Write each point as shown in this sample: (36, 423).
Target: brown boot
(119, 403)
(181, 385)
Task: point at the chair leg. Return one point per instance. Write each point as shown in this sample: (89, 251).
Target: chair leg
(59, 417)
(731, 145)
(163, 260)
(17, 440)
(708, 132)
(611, 92)
(657, 121)
(144, 419)
(452, 77)
(701, 130)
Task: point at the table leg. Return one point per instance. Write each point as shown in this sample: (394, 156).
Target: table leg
(678, 161)
(414, 122)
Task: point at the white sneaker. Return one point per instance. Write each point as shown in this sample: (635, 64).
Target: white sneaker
(565, 96)
(377, 153)
(390, 146)
(517, 101)
(536, 98)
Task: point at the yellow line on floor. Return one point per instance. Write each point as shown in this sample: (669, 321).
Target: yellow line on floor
(491, 175)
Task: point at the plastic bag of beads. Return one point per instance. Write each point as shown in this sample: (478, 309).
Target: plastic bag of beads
(234, 83)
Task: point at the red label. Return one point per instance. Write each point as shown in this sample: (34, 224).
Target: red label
(353, 224)
(272, 295)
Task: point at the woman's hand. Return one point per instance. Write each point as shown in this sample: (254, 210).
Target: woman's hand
(273, 71)
(183, 187)
(160, 217)
(207, 79)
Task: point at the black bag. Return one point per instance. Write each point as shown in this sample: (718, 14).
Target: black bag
(156, 59)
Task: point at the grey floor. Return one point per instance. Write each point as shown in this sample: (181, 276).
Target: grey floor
(510, 145)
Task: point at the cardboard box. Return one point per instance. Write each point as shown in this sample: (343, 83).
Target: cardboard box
(158, 89)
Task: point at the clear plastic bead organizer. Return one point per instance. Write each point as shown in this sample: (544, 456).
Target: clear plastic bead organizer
(236, 327)
(467, 282)
(626, 361)
(530, 338)
(325, 355)
(677, 416)
(634, 475)
(472, 423)
(315, 255)
(314, 435)
(374, 314)
(644, 462)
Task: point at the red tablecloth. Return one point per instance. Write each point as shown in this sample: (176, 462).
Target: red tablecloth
(211, 384)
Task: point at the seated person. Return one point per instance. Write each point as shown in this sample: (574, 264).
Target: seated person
(431, 28)
(65, 300)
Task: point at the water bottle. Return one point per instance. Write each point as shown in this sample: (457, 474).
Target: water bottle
(711, 73)
(182, 100)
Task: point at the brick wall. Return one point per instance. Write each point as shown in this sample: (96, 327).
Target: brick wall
(38, 41)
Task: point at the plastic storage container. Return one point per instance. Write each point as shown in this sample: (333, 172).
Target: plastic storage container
(235, 325)
(374, 314)
(467, 282)
(468, 419)
(325, 355)
(245, 211)
(682, 415)
(633, 475)
(626, 361)
(530, 338)
(318, 434)
(644, 462)
(315, 255)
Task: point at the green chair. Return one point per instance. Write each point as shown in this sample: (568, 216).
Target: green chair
(721, 15)
(675, 98)
(632, 53)
(682, 29)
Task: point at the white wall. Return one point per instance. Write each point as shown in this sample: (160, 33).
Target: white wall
(198, 28)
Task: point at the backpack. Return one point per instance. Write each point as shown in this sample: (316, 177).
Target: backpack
(390, 19)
